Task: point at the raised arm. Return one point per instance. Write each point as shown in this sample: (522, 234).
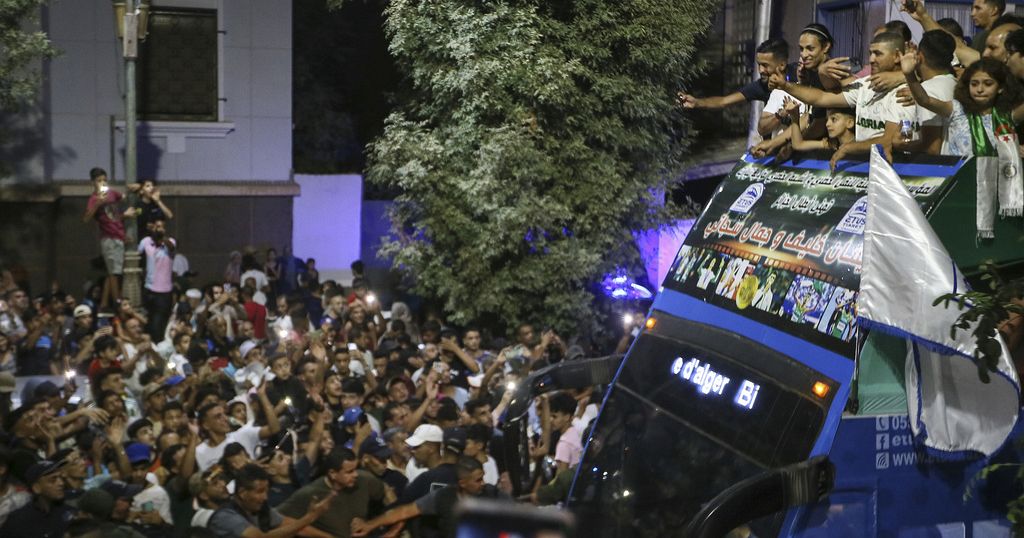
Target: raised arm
(273, 425)
(908, 63)
(919, 13)
(807, 94)
(168, 214)
(834, 73)
(450, 344)
(713, 103)
(429, 394)
(795, 135)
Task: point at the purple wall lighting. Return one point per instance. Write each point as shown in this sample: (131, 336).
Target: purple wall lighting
(658, 248)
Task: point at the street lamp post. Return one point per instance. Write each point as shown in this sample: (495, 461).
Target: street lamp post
(131, 27)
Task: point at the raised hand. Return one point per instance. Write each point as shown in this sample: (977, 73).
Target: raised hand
(914, 8)
(908, 62)
(116, 431)
(95, 415)
(792, 107)
(837, 68)
(431, 386)
(686, 100)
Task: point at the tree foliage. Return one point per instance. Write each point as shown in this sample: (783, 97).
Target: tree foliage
(537, 136)
(985, 311)
(19, 47)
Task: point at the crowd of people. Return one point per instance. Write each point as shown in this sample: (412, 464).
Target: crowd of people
(266, 403)
(271, 403)
(947, 94)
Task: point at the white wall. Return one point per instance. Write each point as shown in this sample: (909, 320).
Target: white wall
(85, 87)
(326, 223)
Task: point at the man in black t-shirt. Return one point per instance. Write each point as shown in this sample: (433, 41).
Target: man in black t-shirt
(151, 208)
(442, 475)
(772, 57)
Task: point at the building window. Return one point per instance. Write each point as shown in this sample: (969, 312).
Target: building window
(178, 66)
(846, 21)
(961, 13)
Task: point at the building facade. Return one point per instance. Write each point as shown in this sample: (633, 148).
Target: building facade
(215, 104)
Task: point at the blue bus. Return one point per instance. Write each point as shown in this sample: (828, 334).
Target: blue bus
(751, 404)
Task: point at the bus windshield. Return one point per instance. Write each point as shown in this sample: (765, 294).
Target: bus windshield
(694, 410)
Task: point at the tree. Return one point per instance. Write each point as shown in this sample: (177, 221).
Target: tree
(19, 47)
(537, 137)
(341, 98)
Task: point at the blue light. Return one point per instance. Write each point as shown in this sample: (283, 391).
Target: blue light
(619, 285)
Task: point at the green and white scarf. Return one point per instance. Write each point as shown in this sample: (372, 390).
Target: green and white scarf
(999, 178)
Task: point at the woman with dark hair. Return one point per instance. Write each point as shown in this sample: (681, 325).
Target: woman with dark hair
(815, 45)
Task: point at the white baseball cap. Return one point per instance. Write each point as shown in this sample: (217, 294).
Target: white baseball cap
(82, 310)
(425, 433)
(246, 347)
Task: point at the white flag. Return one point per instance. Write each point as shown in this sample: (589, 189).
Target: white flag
(905, 268)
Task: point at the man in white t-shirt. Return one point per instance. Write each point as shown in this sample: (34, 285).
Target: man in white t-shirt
(878, 113)
(775, 103)
(933, 58)
(214, 423)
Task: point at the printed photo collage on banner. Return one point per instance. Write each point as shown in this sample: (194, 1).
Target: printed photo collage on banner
(790, 292)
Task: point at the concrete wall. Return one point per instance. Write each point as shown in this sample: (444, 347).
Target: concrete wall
(81, 100)
(327, 222)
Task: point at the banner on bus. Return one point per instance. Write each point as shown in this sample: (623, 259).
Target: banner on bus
(783, 245)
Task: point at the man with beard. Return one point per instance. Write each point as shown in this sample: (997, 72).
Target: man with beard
(159, 278)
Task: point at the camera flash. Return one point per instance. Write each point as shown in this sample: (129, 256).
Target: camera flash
(70, 374)
(511, 385)
(627, 320)
(370, 298)
(288, 401)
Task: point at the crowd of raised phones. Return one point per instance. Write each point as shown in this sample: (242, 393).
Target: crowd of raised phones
(267, 404)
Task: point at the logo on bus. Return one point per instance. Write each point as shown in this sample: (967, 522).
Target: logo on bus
(854, 220)
(746, 201)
